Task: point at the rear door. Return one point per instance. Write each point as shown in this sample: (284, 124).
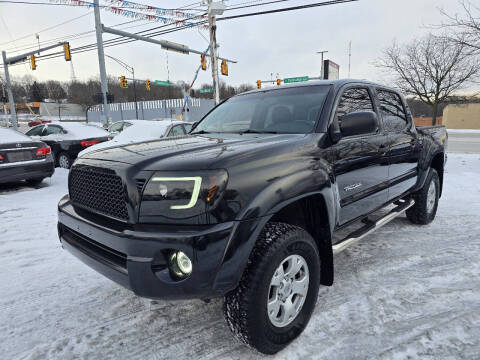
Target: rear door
(360, 162)
(403, 146)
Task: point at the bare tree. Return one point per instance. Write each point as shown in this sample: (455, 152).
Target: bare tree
(464, 28)
(430, 68)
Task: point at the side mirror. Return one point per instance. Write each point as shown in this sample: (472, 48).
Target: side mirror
(358, 123)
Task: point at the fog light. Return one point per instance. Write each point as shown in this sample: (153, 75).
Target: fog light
(180, 264)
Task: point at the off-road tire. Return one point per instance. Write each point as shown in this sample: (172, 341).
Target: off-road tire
(34, 182)
(245, 308)
(418, 213)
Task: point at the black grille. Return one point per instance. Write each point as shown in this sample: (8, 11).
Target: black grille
(98, 190)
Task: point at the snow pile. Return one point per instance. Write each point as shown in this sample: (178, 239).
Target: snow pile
(404, 291)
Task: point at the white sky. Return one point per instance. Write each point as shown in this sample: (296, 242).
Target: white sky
(284, 43)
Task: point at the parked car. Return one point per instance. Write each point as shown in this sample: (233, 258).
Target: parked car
(22, 158)
(252, 204)
(68, 139)
(141, 131)
(38, 122)
(118, 126)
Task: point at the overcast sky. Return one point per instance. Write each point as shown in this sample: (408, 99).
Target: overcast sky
(284, 43)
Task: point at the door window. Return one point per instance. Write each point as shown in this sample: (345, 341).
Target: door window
(51, 130)
(352, 100)
(117, 127)
(393, 113)
(187, 127)
(177, 130)
(36, 131)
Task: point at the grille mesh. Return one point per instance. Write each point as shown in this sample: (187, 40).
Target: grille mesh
(98, 190)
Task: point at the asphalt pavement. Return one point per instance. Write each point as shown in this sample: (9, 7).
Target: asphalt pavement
(464, 142)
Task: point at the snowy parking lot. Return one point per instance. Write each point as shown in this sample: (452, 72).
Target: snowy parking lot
(403, 292)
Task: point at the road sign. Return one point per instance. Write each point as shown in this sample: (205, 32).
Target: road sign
(204, 91)
(295, 79)
(162, 83)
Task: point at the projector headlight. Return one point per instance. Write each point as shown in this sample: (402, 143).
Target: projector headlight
(178, 195)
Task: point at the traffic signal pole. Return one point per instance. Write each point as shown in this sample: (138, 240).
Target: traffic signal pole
(101, 61)
(13, 60)
(13, 114)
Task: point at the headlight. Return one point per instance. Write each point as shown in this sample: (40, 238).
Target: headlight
(182, 195)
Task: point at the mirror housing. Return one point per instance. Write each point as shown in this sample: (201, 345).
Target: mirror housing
(359, 123)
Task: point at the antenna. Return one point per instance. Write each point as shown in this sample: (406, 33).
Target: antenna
(349, 56)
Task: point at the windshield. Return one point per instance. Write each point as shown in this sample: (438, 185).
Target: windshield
(290, 110)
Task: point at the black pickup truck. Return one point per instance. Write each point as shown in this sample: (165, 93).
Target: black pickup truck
(247, 205)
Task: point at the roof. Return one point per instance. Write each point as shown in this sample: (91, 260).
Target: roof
(10, 135)
(336, 83)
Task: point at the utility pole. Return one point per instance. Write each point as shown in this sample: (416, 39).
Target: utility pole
(214, 8)
(101, 61)
(322, 75)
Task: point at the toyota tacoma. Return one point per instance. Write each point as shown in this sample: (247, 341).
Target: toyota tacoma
(247, 205)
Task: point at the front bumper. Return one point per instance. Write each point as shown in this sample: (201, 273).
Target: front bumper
(135, 256)
(35, 169)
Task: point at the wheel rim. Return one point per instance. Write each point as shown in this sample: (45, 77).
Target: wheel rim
(288, 290)
(431, 197)
(63, 161)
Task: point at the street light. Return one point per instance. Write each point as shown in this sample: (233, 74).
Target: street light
(132, 71)
(322, 75)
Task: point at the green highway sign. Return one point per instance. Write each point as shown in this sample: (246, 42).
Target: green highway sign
(204, 91)
(295, 79)
(162, 83)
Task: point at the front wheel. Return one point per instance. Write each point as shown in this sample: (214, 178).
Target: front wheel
(426, 201)
(277, 293)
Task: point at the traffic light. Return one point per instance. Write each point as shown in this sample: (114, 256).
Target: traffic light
(66, 50)
(147, 84)
(224, 68)
(33, 62)
(279, 82)
(123, 82)
(203, 60)
(259, 84)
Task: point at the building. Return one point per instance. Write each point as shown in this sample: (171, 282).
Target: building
(462, 116)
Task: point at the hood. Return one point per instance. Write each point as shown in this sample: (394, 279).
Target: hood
(195, 151)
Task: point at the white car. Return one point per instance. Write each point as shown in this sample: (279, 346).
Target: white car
(143, 130)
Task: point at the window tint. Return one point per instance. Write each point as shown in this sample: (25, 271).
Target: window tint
(53, 130)
(392, 111)
(177, 131)
(36, 131)
(354, 99)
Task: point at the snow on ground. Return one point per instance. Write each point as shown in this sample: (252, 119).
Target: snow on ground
(404, 292)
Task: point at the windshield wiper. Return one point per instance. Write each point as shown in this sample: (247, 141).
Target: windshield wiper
(252, 131)
(200, 132)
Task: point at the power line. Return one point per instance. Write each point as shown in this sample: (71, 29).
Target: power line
(82, 5)
(46, 29)
(325, 3)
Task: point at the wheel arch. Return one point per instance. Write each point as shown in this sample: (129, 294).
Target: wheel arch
(438, 163)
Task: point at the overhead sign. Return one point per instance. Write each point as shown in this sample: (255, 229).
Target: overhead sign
(204, 91)
(162, 83)
(295, 79)
(331, 71)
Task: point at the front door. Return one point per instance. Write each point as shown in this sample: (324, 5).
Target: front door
(360, 162)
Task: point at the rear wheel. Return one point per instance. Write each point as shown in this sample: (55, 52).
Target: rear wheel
(277, 293)
(426, 201)
(64, 161)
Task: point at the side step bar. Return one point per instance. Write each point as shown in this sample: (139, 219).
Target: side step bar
(371, 226)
